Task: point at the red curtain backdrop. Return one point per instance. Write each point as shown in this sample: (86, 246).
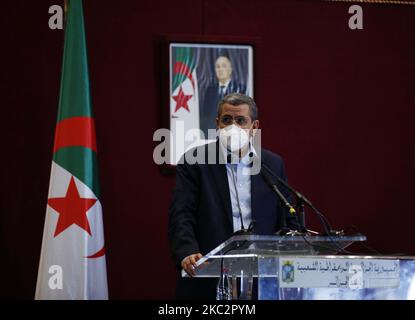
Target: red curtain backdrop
(337, 104)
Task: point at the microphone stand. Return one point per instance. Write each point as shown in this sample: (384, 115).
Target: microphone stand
(301, 215)
(302, 200)
(284, 230)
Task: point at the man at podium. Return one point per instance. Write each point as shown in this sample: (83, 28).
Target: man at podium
(212, 201)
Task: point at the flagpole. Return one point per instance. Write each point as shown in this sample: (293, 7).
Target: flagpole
(65, 10)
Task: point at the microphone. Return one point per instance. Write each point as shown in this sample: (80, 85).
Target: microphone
(285, 184)
(283, 221)
(329, 232)
(274, 187)
(301, 201)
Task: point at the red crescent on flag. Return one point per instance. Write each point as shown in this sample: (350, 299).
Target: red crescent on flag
(98, 254)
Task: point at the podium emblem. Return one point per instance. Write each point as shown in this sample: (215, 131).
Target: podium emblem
(287, 274)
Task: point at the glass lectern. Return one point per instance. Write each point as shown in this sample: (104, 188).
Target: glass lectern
(305, 268)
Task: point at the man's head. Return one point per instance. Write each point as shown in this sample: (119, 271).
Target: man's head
(237, 108)
(223, 68)
(237, 111)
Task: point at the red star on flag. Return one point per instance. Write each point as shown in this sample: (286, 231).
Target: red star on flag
(72, 209)
(181, 100)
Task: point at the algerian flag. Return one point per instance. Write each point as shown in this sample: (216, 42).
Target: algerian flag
(184, 100)
(72, 263)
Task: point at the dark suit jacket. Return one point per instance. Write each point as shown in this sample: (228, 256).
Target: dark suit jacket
(200, 216)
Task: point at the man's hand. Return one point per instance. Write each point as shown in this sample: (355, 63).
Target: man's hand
(189, 263)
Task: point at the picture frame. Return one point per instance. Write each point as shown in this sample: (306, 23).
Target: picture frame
(200, 73)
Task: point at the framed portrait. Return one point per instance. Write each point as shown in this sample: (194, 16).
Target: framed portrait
(200, 75)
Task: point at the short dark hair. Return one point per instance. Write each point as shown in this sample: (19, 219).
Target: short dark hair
(236, 99)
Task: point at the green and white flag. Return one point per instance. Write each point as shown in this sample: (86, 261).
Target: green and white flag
(72, 263)
(184, 99)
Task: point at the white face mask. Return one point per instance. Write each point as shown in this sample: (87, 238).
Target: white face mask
(233, 137)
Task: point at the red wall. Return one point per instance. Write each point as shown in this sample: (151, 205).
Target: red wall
(337, 104)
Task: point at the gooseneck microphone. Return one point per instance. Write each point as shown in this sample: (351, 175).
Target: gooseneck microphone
(302, 200)
(283, 220)
(285, 184)
(274, 187)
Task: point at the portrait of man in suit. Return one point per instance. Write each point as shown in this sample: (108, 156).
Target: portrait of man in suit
(201, 74)
(223, 85)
